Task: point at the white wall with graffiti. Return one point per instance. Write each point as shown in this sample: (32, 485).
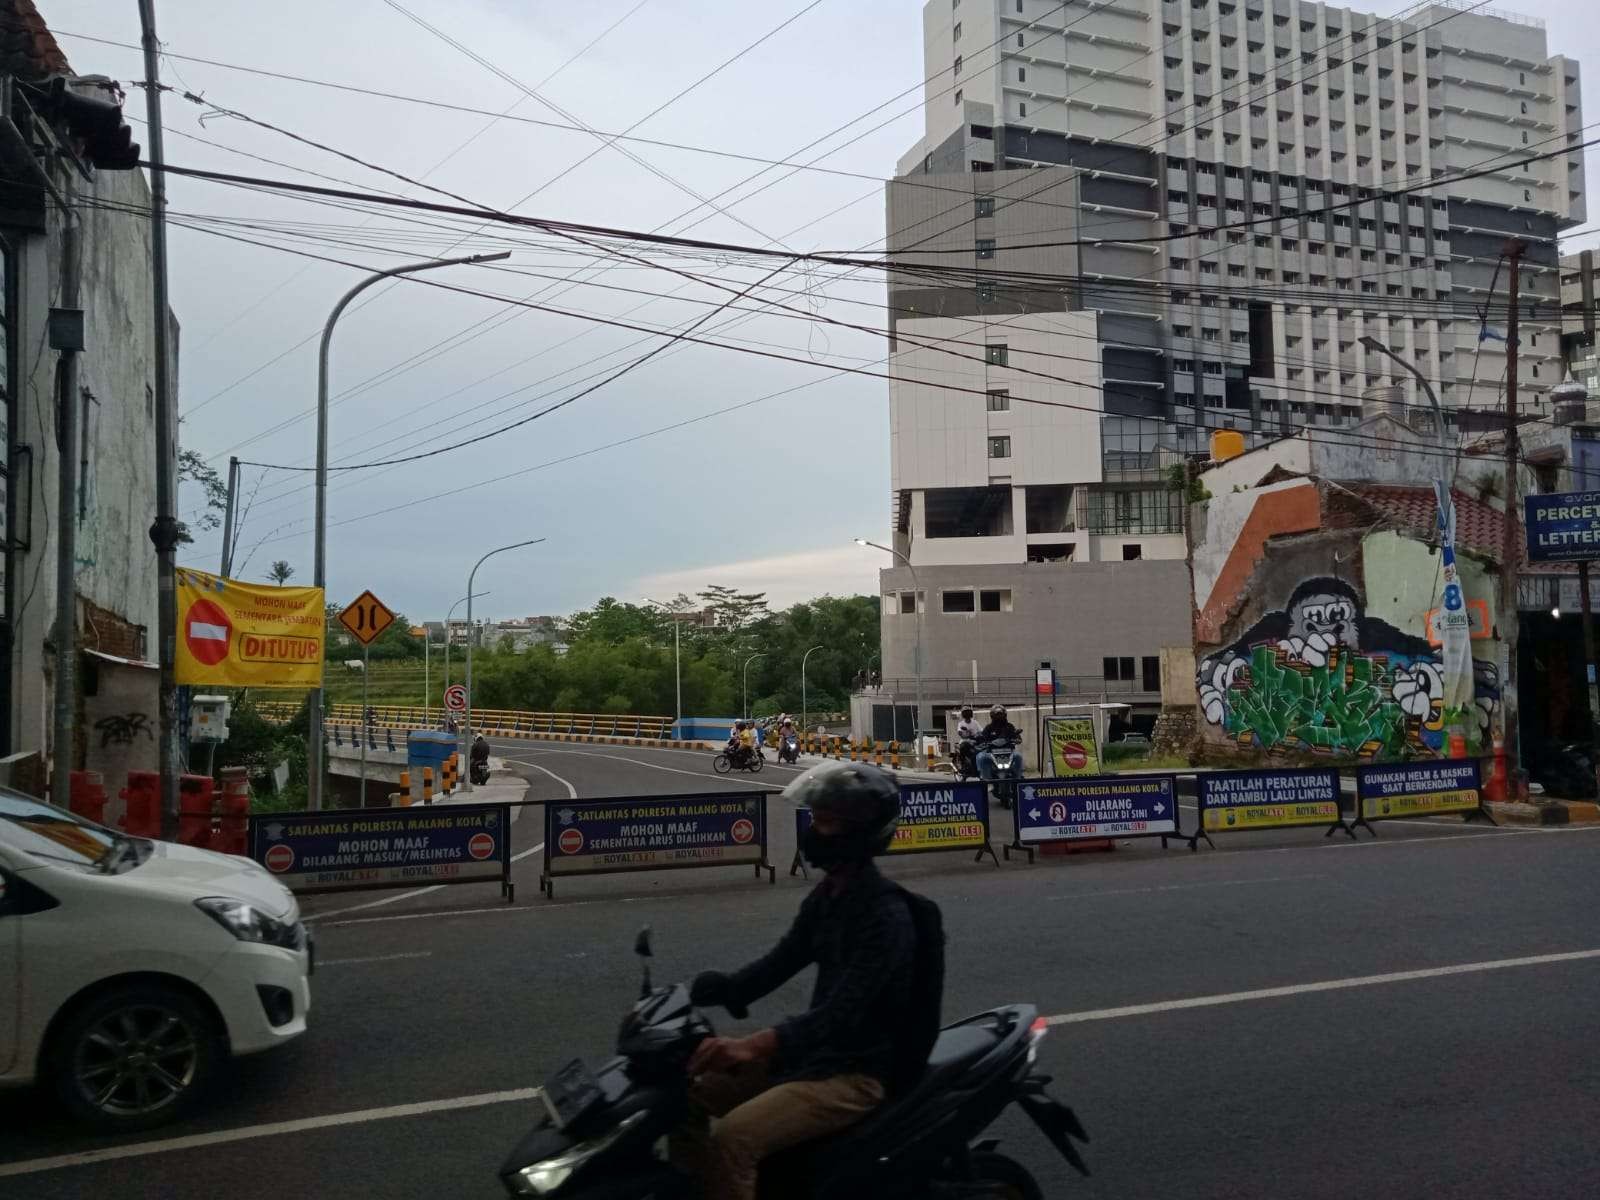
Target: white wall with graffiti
(1313, 632)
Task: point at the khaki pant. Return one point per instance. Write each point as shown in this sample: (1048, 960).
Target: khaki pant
(756, 1119)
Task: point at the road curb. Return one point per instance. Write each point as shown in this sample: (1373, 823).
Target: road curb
(1555, 812)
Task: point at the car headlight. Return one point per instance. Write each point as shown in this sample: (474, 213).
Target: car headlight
(249, 924)
(545, 1176)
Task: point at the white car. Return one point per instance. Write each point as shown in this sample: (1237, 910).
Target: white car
(130, 968)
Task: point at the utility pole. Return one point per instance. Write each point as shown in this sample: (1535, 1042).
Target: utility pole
(227, 517)
(165, 530)
(1510, 554)
(66, 337)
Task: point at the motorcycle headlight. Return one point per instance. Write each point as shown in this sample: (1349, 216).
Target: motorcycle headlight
(249, 924)
(543, 1177)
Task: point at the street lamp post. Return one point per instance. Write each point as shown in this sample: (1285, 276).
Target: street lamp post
(747, 663)
(1455, 627)
(916, 591)
(466, 735)
(803, 659)
(677, 659)
(449, 618)
(320, 575)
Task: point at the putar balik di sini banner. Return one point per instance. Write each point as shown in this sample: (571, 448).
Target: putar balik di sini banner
(233, 634)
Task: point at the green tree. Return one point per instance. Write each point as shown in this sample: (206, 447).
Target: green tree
(280, 572)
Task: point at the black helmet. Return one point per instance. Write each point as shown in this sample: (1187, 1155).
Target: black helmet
(998, 711)
(864, 799)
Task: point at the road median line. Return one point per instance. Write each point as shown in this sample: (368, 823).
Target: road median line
(1324, 985)
(222, 1137)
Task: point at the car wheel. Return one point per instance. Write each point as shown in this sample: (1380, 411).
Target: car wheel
(134, 1057)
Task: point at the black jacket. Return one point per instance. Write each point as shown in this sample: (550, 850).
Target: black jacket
(1000, 731)
(864, 945)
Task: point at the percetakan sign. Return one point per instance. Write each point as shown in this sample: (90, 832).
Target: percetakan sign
(1563, 526)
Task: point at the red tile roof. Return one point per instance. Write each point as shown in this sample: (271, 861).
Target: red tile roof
(1480, 527)
(27, 49)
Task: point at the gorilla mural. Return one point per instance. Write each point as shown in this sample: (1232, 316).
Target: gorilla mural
(1321, 675)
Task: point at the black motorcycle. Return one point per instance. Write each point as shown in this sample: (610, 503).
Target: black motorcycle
(602, 1129)
(479, 768)
(788, 748)
(737, 759)
(1005, 786)
(965, 759)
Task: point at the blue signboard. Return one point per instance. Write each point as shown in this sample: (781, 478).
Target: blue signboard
(1563, 526)
(1419, 789)
(935, 816)
(384, 847)
(1098, 806)
(1231, 800)
(654, 833)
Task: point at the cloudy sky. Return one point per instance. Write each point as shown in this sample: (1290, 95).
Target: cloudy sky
(765, 497)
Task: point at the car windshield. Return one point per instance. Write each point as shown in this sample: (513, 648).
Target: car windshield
(45, 832)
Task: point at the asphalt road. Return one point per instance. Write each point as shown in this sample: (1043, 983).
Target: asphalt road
(1284, 1016)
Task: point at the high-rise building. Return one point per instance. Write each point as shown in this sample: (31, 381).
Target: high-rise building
(1578, 320)
(1129, 224)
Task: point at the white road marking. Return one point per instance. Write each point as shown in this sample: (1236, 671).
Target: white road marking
(1183, 887)
(276, 1129)
(516, 1095)
(523, 909)
(572, 792)
(527, 852)
(351, 962)
(415, 892)
(1324, 985)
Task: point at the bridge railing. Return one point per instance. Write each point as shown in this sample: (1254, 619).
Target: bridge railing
(489, 720)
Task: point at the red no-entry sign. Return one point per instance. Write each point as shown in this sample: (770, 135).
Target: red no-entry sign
(208, 632)
(480, 845)
(571, 841)
(280, 858)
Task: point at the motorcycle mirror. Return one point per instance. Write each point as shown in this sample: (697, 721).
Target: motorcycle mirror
(641, 947)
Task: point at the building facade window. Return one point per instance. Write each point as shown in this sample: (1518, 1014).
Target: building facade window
(999, 400)
(996, 354)
(1000, 447)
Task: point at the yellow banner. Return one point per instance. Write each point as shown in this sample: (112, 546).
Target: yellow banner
(1256, 816)
(233, 634)
(939, 835)
(1072, 746)
(1420, 804)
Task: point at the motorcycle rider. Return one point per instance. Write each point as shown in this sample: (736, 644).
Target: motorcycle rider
(786, 730)
(999, 730)
(735, 746)
(967, 731)
(480, 758)
(825, 1069)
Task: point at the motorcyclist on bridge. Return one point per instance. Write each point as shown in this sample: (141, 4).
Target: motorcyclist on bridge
(825, 1069)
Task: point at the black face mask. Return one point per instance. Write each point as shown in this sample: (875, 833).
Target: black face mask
(827, 851)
